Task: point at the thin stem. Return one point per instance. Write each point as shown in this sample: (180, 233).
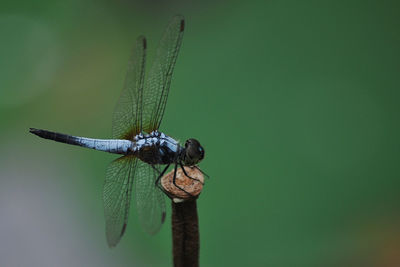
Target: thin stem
(185, 234)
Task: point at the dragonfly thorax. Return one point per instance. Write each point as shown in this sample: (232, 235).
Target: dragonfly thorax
(159, 148)
(156, 148)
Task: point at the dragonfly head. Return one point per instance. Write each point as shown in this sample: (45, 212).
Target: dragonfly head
(194, 152)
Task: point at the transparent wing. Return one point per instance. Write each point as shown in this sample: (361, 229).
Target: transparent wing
(128, 111)
(158, 82)
(117, 196)
(149, 199)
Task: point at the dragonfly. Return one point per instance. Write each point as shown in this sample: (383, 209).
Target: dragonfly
(146, 152)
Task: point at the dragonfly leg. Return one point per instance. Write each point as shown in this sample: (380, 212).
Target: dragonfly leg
(205, 174)
(160, 174)
(174, 180)
(157, 170)
(157, 182)
(183, 169)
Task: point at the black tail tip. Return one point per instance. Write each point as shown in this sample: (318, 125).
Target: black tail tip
(34, 131)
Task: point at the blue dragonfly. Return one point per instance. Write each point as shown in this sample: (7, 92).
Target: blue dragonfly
(146, 152)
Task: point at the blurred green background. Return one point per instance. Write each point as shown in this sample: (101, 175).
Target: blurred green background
(295, 102)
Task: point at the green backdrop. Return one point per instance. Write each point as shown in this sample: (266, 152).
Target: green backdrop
(295, 102)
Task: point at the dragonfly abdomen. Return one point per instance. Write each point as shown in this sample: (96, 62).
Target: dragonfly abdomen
(117, 146)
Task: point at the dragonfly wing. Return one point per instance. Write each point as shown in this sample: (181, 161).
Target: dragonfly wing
(128, 111)
(149, 199)
(158, 82)
(117, 196)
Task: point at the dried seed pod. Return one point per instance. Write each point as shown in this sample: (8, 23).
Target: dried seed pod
(192, 187)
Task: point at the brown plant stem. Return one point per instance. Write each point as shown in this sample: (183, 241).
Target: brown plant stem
(183, 191)
(185, 234)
